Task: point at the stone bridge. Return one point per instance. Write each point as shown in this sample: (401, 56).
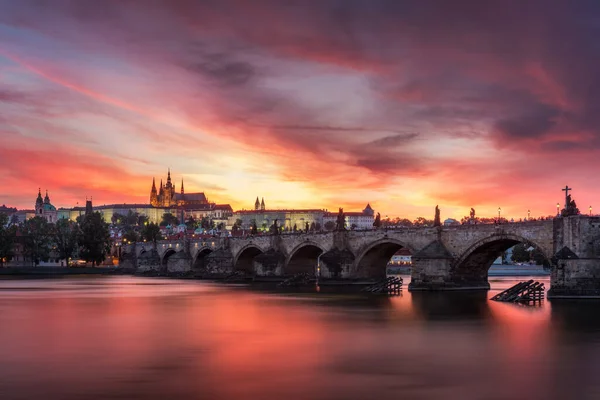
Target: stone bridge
(444, 258)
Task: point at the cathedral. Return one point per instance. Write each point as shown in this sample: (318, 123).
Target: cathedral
(45, 209)
(166, 196)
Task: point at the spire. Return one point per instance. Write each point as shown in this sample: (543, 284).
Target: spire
(181, 185)
(169, 176)
(39, 201)
(257, 204)
(262, 204)
(47, 198)
(153, 184)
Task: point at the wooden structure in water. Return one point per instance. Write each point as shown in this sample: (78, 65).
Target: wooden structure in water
(301, 279)
(391, 286)
(237, 276)
(523, 292)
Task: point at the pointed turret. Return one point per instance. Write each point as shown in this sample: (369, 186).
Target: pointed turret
(182, 186)
(169, 177)
(47, 198)
(39, 201)
(262, 204)
(257, 204)
(153, 194)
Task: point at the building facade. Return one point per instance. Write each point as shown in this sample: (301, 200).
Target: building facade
(286, 219)
(354, 220)
(45, 209)
(166, 196)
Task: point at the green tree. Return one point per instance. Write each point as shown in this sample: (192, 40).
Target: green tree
(117, 219)
(539, 258)
(14, 220)
(191, 223)
(237, 225)
(151, 233)
(377, 222)
(420, 221)
(520, 253)
(7, 239)
(131, 235)
(66, 238)
(142, 220)
(131, 218)
(206, 223)
(329, 225)
(37, 239)
(94, 239)
(169, 219)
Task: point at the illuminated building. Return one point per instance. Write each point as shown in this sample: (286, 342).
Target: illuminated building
(166, 196)
(286, 219)
(45, 209)
(354, 220)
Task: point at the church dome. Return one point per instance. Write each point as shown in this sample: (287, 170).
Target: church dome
(49, 207)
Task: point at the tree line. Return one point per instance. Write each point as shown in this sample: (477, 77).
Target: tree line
(38, 240)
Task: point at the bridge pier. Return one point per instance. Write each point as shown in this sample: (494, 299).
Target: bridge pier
(433, 269)
(576, 264)
(269, 263)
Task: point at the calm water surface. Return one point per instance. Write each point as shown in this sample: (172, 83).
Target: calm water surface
(137, 338)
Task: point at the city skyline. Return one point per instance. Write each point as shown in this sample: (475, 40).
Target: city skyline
(403, 106)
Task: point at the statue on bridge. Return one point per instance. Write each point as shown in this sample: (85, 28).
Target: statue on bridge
(340, 224)
(570, 207)
(275, 228)
(472, 213)
(437, 221)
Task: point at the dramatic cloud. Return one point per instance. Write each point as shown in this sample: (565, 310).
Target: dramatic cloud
(312, 104)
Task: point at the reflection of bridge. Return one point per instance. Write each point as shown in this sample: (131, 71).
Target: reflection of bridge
(456, 257)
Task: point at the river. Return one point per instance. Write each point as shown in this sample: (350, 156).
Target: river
(107, 337)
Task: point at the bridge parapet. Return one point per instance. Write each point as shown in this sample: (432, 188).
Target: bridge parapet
(446, 257)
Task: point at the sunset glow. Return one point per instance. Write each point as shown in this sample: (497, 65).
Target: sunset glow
(406, 105)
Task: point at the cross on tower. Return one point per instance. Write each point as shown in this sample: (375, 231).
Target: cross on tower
(566, 190)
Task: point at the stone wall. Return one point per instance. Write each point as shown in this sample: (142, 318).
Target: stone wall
(443, 257)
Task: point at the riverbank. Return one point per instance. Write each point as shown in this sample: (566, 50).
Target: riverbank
(60, 271)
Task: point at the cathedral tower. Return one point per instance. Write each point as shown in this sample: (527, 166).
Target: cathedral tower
(39, 203)
(153, 194)
(257, 204)
(262, 204)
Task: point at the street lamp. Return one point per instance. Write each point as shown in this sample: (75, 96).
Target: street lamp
(499, 209)
(557, 208)
(590, 211)
(528, 214)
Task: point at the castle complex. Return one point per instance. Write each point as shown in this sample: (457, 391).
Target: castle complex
(166, 196)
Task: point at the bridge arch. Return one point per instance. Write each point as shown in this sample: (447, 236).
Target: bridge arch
(199, 262)
(243, 261)
(473, 264)
(303, 258)
(165, 258)
(372, 261)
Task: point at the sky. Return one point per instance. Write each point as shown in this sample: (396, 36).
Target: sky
(309, 104)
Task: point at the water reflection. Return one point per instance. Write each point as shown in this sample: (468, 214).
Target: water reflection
(120, 337)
